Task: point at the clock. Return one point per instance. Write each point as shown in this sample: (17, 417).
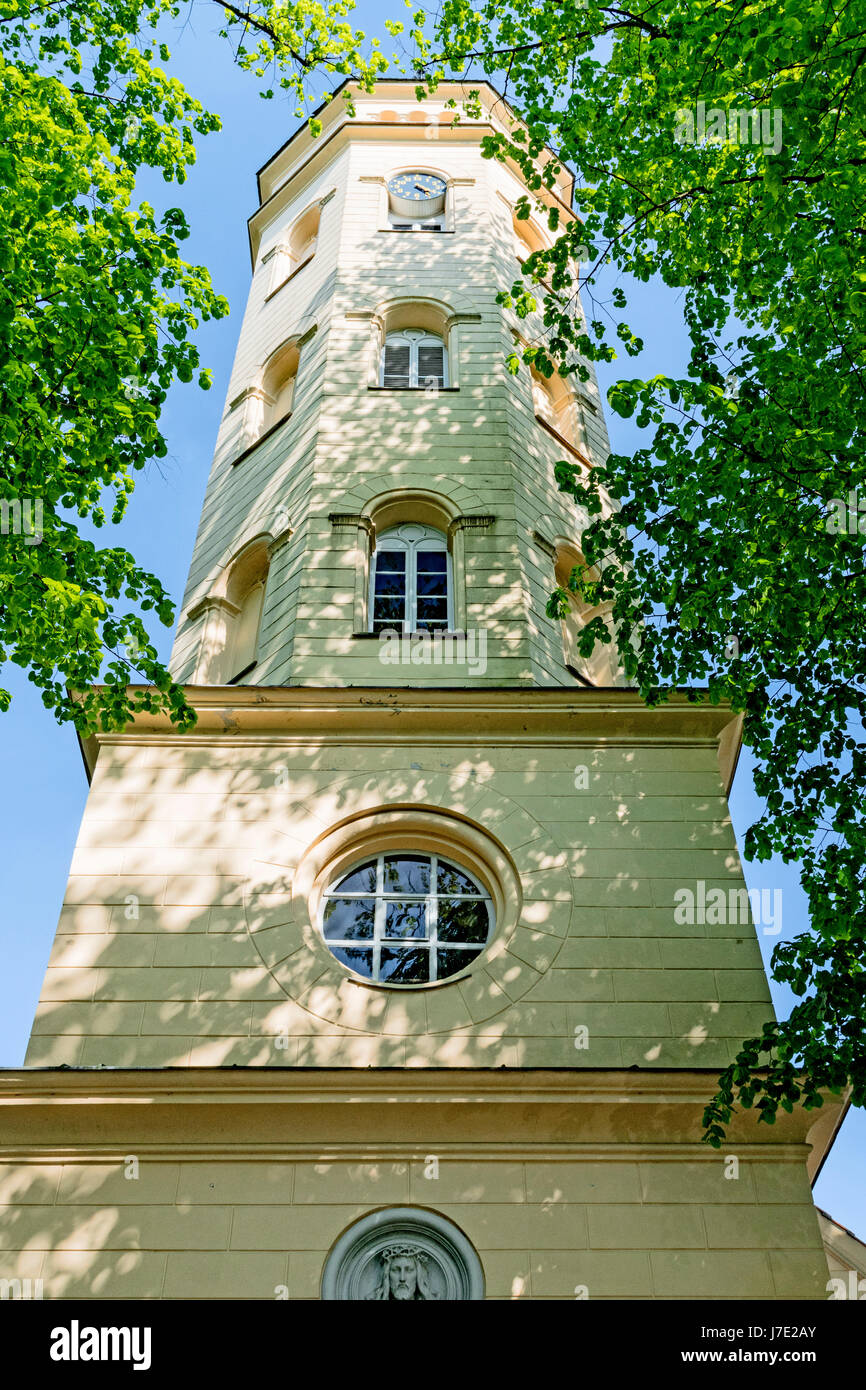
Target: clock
(416, 196)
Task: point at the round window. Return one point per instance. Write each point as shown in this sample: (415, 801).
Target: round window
(406, 919)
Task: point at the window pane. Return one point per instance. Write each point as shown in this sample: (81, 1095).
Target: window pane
(449, 962)
(407, 873)
(432, 584)
(390, 560)
(389, 585)
(396, 370)
(450, 880)
(406, 919)
(431, 370)
(349, 919)
(359, 959)
(404, 965)
(432, 610)
(360, 880)
(432, 561)
(463, 921)
(388, 610)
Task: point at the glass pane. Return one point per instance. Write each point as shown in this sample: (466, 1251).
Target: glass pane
(360, 880)
(405, 920)
(388, 610)
(450, 881)
(432, 610)
(390, 560)
(359, 959)
(432, 561)
(449, 962)
(388, 583)
(432, 584)
(404, 965)
(463, 921)
(407, 873)
(349, 919)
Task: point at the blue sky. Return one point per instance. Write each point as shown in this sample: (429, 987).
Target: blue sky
(44, 775)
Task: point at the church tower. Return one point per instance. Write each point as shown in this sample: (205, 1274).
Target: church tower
(378, 983)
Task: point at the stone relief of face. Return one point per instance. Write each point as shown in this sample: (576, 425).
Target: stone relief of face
(403, 1277)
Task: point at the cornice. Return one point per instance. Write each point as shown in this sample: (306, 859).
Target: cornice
(512, 715)
(221, 1112)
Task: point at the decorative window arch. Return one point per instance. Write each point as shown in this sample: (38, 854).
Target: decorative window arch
(601, 668)
(411, 584)
(278, 384)
(270, 399)
(414, 359)
(555, 404)
(527, 237)
(431, 318)
(232, 617)
(297, 247)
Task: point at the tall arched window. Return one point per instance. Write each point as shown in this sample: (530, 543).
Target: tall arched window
(414, 358)
(554, 403)
(410, 581)
(279, 385)
(304, 236)
(298, 247)
(246, 591)
(600, 668)
(527, 237)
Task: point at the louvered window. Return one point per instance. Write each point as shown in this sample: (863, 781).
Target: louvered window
(410, 581)
(414, 359)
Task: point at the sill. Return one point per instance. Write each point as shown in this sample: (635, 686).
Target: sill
(272, 429)
(436, 231)
(566, 444)
(439, 631)
(297, 270)
(240, 675)
(422, 390)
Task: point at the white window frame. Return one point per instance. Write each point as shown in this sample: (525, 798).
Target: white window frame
(430, 942)
(403, 224)
(411, 537)
(414, 338)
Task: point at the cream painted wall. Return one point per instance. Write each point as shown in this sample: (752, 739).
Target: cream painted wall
(189, 933)
(479, 447)
(620, 1226)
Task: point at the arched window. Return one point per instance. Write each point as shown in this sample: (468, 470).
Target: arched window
(406, 919)
(600, 668)
(527, 237)
(410, 581)
(554, 403)
(304, 236)
(298, 247)
(279, 385)
(414, 358)
(245, 591)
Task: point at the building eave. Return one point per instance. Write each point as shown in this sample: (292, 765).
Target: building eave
(518, 715)
(266, 1111)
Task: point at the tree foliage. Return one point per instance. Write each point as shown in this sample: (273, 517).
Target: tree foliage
(97, 315)
(728, 564)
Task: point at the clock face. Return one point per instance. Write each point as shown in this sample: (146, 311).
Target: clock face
(417, 188)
